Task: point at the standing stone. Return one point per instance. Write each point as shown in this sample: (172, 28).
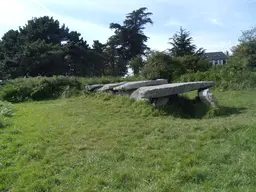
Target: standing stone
(208, 98)
(160, 101)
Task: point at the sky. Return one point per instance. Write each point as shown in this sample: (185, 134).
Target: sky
(214, 25)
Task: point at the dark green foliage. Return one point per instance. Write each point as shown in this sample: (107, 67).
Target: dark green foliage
(158, 65)
(163, 65)
(182, 44)
(42, 88)
(129, 39)
(116, 64)
(245, 51)
(188, 58)
(189, 64)
(44, 28)
(43, 47)
(137, 64)
(228, 77)
(38, 88)
(35, 59)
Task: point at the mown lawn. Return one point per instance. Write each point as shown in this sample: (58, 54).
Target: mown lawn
(113, 144)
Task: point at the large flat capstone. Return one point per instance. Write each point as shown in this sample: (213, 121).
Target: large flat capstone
(109, 87)
(137, 84)
(169, 89)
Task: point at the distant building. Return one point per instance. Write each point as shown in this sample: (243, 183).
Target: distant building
(216, 58)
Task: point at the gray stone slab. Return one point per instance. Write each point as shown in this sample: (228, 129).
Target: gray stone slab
(109, 87)
(93, 87)
(169, 89)
(137, 84)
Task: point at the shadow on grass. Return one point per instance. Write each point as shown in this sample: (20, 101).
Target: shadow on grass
(3, 125)
(183, 107)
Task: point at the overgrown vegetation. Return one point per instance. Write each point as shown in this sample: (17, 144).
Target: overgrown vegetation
(6, 109)
(227, 78)
(43, 88)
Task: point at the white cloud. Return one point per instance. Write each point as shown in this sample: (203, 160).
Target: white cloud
(173, 22)
(216, 21)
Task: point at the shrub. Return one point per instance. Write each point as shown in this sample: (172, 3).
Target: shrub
(42, 88)
(227, 77)
(6, 109)
(158, 65)
(38, 88)
(189, 64)
(136, 64)
(163, 65)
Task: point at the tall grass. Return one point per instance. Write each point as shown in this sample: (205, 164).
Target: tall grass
(43, 88)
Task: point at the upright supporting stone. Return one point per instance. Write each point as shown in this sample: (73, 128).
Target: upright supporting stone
(158, 102)
(208, 98)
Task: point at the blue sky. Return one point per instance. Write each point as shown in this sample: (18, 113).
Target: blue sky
(215, 25)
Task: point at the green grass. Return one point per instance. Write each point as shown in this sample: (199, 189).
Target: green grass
(105, 143)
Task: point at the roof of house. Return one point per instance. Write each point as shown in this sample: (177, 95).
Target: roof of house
(215, 56)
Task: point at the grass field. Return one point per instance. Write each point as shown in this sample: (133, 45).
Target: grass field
(104, 143)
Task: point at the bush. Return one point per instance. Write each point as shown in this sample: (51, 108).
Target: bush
(158, 65)
(136, 64)
(43, 88)
(190, 64)
(163, 65)
(38, 88)
(6, 109)
(227, 77)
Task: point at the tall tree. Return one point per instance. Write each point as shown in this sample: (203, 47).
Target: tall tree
(43, 47)
(182, 44)
(99, 58)
(44, 28)
(129, 38)
(135, 22)
(10, 43)
(245, 51)
(137, 64)
(116, 65)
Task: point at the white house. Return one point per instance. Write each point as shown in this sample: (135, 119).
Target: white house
(216, 58)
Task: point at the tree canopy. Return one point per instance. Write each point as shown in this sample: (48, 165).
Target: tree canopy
(44, 47)
(182, 44)
(129, 38)
(245, 51)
